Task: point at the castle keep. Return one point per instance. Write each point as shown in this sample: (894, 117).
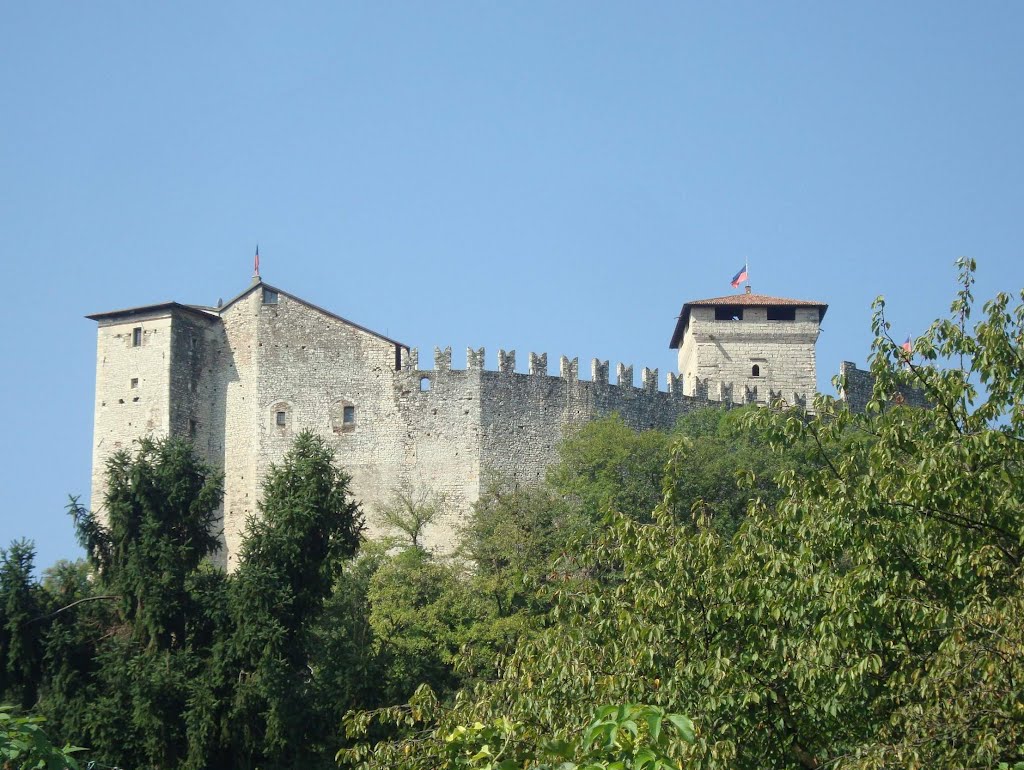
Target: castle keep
(241, 380)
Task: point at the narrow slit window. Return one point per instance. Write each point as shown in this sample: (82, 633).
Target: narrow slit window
(755, 371)
(137, 337)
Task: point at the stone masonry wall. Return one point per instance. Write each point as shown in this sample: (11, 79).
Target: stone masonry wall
(725, 352)
(234, 382)
(859, 384)
(524, 417)
(312, 366)
(132, 395)
(200, 361)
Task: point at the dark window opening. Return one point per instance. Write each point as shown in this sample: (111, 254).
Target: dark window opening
(755, 371)
(728, 313)
(424, 384)
(782, 314)
(191, 428)
(349, 415)
(281, 419)
(269, 297)
(137, 337)
(135, 382)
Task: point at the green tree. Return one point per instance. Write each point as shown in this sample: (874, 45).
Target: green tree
(120, 676)
(422, 612)
(712, 450)
(513, 538)
(260, 707)
(409, 511)
(156, 529)
(21, 604)
(606, 465)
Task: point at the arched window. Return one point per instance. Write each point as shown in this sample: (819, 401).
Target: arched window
(424, 384)
(755, 371)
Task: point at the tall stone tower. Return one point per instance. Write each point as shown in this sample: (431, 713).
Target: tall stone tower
(749, 348)
(153, 379)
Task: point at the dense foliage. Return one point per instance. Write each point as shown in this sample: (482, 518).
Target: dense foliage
(150, 656)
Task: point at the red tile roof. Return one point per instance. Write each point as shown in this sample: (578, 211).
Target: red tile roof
(744, 300)
(755, 300)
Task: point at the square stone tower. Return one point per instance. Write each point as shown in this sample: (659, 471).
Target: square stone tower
(749, 348)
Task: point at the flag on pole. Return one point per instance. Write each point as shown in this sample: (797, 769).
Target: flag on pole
(740, 277)
(908, 345)
(256, 264)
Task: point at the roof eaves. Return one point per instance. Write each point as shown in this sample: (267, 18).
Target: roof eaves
(157, 307)
(744, 300)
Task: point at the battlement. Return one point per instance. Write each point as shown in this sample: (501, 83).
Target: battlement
(705, 390)
(569, 369)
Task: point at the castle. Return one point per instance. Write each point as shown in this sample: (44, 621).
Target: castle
(241, 379)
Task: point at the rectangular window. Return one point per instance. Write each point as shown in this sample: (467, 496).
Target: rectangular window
(137, 337)
(782, 314)
(728, 313)
(135, 382)
(281, 419)
(349, 417)
(269, 297)
(191, 428)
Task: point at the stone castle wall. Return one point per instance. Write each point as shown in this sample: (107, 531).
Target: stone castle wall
(858, 386)
(222, 378)
(440, 429)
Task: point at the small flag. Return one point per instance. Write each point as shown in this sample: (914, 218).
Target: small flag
(908, 345)
(740, 277)
(256, 266)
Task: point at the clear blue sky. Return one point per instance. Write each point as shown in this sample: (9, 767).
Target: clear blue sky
(552, 177)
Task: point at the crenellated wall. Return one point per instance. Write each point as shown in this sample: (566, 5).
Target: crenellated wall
(511, 423)
(244, 379)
